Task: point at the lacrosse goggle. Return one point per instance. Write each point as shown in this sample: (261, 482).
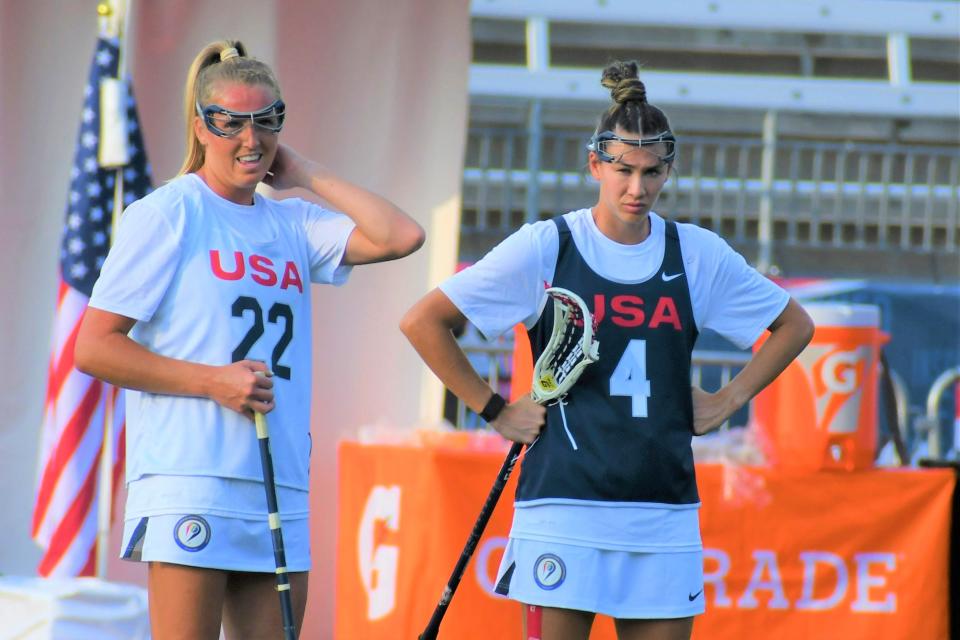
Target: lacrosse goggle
(603, 145)
(225, 123)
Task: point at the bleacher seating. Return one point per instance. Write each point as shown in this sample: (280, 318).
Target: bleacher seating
(808, 130)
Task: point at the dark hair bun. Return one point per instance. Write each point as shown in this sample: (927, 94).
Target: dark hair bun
(624, 82)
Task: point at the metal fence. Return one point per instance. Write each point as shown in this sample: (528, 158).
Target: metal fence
(821, 194)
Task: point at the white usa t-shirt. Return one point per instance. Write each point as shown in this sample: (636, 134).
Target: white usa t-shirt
(212, 282)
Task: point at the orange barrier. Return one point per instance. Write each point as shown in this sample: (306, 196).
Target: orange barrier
(787, 555)
(521, 378)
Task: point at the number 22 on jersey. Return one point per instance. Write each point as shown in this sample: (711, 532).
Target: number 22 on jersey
(629, 378)
(276, 313)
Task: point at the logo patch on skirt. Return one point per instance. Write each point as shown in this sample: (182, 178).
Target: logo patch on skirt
(549, 571)
(192, 533)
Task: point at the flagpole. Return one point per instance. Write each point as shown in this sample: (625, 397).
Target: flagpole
(114, 20)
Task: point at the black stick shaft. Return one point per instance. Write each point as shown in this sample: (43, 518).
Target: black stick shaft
(276, 534)
(433, 626)
(888, 393)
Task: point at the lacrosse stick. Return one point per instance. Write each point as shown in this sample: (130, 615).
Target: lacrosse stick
(279, 556)
(570, 349)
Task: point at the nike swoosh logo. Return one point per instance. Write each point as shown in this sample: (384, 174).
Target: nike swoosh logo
(667, 278)
(694, 596)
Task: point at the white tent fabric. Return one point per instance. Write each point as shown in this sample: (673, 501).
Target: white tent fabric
(77, 608)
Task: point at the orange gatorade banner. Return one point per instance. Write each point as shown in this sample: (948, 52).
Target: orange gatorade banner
(860, 554)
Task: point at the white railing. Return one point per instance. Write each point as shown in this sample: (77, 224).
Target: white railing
(896, 21)
(930, 425)
(873, 17)
(812, 95)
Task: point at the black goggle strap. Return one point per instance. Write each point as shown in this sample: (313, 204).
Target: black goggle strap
(599, 141)
(273, 112)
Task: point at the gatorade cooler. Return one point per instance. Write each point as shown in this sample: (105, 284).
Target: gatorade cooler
(821, 412)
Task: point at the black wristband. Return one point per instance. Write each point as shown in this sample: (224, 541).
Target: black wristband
(494, 406)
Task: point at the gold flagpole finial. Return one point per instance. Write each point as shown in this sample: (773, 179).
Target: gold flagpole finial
(111, 16)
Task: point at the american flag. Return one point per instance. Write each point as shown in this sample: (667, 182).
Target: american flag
(65, 513)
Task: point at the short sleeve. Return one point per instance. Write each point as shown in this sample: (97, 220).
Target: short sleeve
(327, 235)
(140, 265)
(506, 286)
(731, 297)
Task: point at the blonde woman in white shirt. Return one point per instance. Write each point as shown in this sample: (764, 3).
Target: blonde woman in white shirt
(206, 287)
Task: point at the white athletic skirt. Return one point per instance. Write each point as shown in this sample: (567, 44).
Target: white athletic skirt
(215, 542)
(620, 584)
(215, 523)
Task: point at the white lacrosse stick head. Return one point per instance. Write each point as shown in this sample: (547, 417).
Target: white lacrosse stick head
(570, 349)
